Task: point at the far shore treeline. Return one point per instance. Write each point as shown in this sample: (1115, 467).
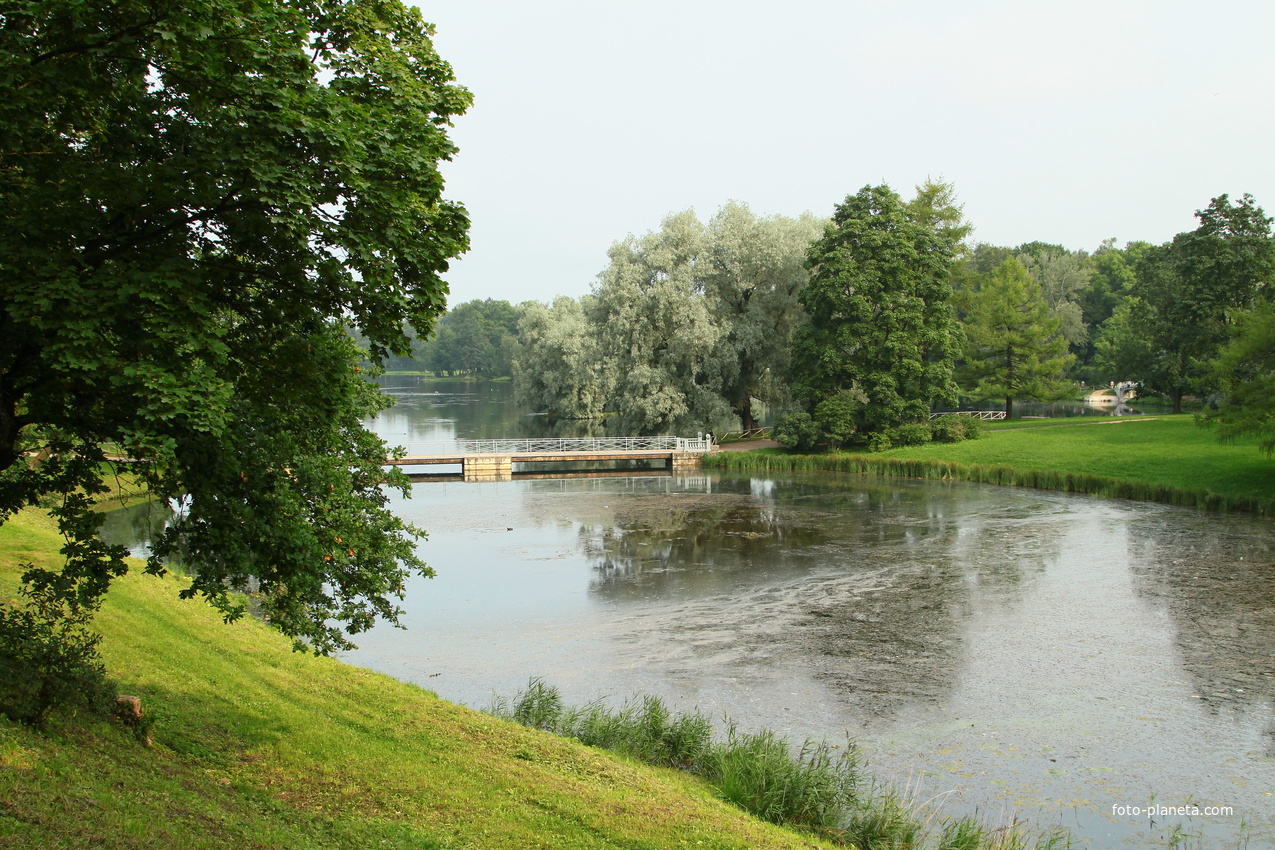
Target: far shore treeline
(859, 326)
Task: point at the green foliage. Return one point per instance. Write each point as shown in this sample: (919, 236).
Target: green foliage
(935, 207)
(197, 199)
(881, 320)
(1063, 277)
(1244, 373)
(835, 423)
(754, 271)
(912, 434)
(953, 428)
(657, 333)
(476, 338)
(49, 659)
(797, 431)
(1184, 290)
(557, 367)
(986, 258)
(684, 329)
(839, 416)
(1015, 345)
(1111, 280)
(881, 441)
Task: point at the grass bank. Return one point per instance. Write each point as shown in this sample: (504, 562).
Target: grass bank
(1165, 459)
(256, 746)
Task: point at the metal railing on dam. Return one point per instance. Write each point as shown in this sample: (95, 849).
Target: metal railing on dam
(484, 460)
(557, 445)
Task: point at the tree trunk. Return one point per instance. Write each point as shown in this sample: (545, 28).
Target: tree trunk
(746, 420)
(1009, 408)
(1176, 395)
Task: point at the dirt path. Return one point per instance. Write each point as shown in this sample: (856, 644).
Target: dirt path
(748, 446)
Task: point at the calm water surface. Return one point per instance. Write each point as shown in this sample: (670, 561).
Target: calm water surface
(1016, 652)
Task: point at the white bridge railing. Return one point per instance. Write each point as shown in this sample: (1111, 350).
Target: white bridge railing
(553, 445)
(985, 415)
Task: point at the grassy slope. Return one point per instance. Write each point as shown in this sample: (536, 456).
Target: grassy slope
(1169, 458)
(257, 746)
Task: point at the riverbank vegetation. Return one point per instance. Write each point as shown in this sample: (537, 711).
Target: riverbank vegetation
(822, 788)
(1165, 459)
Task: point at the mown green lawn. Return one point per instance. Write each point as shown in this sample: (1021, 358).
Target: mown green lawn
(256, 746)
(1170, 450)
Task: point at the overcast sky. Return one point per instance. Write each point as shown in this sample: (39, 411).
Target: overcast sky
(1067, 122)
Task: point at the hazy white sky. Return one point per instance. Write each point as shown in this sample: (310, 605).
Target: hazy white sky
(1066, 122)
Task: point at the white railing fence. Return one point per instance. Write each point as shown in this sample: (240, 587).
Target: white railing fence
(985, 415)
(549, 445)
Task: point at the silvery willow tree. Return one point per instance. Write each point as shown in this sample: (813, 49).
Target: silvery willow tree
(684, 329)
(878, 351)
(557, 365)
(196, 197)
(752, 272)
(656, 332)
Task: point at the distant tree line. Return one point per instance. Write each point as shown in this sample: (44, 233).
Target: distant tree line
(475, 339)
(860, 326)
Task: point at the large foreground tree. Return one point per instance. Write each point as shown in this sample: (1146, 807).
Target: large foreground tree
(195, 197)
(882, 334)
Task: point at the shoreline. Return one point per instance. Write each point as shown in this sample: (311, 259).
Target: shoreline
(1070, 469)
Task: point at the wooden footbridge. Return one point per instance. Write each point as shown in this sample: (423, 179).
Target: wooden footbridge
(493, 460)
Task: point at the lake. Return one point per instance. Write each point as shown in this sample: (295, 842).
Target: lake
(1066, 659)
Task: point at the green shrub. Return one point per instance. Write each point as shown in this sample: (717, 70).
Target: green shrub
(796, 431)
(840, 416)
(911, 434)
(948, 429)
(880, 442)
(49, 660)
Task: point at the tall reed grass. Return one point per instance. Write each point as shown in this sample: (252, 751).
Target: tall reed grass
(1040, 479)
(819, 788)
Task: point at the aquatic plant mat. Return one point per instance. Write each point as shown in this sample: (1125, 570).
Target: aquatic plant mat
(1166, 459)
(819, 787)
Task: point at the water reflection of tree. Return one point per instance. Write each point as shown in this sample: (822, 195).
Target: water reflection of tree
(945, 554)
(1216, 576)
(136, 526)
(869, 583)
(668, 544)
